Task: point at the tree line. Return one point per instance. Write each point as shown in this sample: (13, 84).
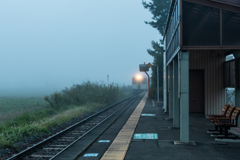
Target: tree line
(159, 10)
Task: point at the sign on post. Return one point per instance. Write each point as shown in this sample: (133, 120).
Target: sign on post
(143, 67)
(149, 65)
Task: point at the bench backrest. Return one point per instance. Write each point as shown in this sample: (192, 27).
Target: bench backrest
(235, 115)
(229, 111)
(224, 110)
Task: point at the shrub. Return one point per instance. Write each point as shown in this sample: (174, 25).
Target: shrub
(84, 93)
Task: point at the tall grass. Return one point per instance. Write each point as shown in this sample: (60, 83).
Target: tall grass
(84, 93)
(15, 133)
(11, 107)
(65, 105)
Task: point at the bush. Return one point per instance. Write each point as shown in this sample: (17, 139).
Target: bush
(76, 100)
(85, 93)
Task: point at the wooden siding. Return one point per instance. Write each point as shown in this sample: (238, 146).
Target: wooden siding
(196, 91)
(211, 61)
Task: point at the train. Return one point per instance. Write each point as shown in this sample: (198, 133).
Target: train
(139, 82)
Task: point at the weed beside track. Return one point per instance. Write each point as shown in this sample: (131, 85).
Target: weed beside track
(32, 119)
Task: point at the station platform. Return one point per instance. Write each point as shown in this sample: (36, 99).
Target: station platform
(146, 135)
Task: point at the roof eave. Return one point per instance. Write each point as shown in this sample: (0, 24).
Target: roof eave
(168, 18)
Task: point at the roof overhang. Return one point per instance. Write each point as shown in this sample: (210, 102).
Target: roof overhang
(235, 3)
(232, 5)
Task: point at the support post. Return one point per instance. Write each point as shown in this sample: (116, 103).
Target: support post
(237, 88)
(148, 83)
(170, 90)
(164, 81)
(176, 107)
(157, 85)
(184, 96)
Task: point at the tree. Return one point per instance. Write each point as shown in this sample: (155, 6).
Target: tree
(160, 10)
(157, 54)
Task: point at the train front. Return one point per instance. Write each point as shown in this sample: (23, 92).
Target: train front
(139, 83)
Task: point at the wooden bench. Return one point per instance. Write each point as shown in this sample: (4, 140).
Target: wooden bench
(228, 115)
(216, 118)
(227, 123)
(223, 113)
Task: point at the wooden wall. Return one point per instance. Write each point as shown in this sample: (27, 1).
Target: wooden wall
(211, 61)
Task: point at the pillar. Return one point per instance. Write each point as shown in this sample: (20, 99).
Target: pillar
(237, 88)
(164, 83)
(170, 90)
(176, 109)
(184, 96)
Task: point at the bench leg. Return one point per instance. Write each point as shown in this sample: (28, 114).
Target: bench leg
(214, 131)
(223, 133)
(226, 131)
(218, 134)
(221, 130)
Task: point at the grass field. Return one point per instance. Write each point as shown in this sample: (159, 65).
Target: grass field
(11, 107)
(21, 118)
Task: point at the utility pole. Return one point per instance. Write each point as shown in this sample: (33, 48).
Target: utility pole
(108, 80)
(144, 68)
(157, 85)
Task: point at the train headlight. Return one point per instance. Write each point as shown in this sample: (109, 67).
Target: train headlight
(139, 77)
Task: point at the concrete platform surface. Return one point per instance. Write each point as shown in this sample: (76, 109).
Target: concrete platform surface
(162, 147)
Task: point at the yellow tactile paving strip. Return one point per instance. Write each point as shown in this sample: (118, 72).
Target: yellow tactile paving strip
(118, 149)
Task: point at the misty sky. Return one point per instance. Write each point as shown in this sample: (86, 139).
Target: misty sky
(57, 43)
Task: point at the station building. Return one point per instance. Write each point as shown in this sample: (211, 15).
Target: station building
(199, 35)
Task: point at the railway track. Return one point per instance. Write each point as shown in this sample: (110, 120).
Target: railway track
(58, 143)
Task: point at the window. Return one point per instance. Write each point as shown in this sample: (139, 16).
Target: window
(201, 25)
(230, 96)
(229, 74)
(230, 28)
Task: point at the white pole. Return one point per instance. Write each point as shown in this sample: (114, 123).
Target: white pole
(157, 85)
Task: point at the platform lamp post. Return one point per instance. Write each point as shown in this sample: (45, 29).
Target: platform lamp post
(144, 68)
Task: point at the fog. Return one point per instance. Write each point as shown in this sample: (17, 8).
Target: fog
(49, 45)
